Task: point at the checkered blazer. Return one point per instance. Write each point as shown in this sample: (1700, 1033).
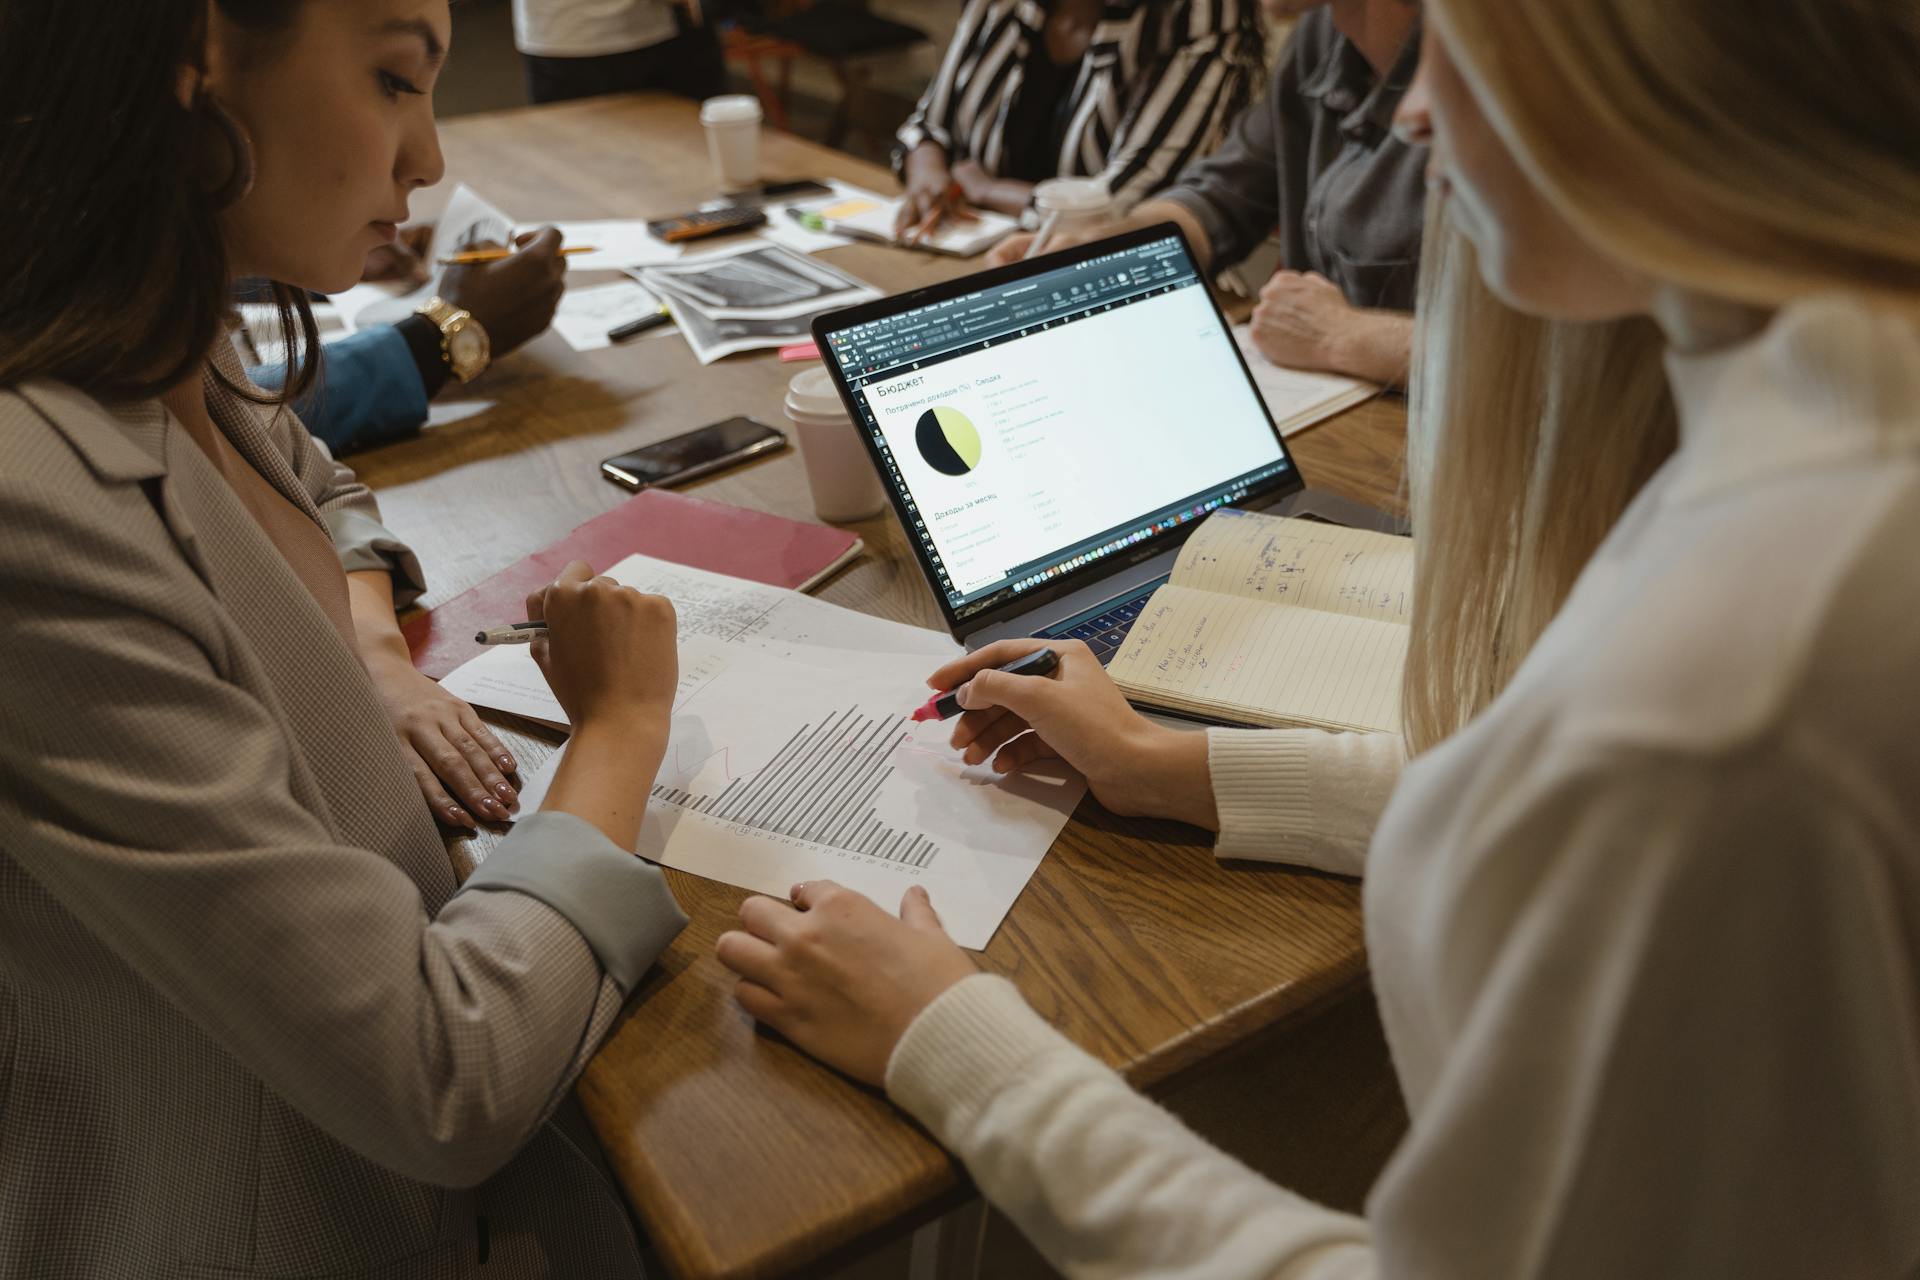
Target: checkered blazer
(248, 1026)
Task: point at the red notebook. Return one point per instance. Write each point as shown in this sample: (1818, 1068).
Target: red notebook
(658, 523)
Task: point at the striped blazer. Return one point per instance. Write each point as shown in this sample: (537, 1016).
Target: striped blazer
(1157, 88)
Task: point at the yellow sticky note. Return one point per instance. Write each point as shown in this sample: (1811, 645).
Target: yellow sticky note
(852, 208)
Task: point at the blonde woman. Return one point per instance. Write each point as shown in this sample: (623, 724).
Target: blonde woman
(1644, 910)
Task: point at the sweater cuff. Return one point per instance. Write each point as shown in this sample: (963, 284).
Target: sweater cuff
(963, 1050)
(366, 545)
(1262, 788)
(619, 902)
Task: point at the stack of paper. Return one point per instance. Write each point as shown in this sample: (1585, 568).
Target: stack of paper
(750, 296)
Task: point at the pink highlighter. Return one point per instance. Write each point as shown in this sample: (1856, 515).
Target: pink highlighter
(944, 706)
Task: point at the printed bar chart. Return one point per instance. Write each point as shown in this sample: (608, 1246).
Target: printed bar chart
(820, 787)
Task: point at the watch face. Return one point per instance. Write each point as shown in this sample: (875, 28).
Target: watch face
(467, 345)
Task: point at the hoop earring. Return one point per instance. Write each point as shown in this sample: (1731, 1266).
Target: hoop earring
(240, 174)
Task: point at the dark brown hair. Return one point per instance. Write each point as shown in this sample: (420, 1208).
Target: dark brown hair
(113, 274)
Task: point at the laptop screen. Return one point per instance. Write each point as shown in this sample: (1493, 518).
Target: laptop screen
(1034, 426)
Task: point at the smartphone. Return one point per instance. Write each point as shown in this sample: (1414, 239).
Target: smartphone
(681, 458)
(776, 193)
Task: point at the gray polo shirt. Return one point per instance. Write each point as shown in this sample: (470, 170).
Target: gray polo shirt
(1318, 159)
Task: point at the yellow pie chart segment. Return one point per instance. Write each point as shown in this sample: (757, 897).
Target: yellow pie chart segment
(948, 442)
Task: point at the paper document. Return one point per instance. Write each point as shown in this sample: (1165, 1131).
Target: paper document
(347, 307)
(777, 773)
(874, 215)
(733, 611)
(586, 316)
(618, 245)
(782, 229)
(1298, 399)
(759, 281)
(750, 296)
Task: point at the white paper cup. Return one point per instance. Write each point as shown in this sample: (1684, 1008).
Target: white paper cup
(841, 474)
(733, 139)
(1070, 206)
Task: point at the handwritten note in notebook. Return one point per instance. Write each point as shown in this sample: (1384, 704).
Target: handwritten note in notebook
(1274, 621)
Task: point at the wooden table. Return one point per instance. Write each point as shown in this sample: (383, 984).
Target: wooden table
(741, 1156)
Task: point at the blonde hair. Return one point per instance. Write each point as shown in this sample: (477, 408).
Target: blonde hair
(1751, 157)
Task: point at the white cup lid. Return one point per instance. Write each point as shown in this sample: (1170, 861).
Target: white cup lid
(812, 393)
(730, 108)
(1071, 195)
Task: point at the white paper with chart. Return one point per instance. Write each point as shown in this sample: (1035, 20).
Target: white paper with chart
(792, 756)
(733, 611)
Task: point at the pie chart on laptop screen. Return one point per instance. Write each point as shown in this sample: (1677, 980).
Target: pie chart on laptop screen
(947, 441)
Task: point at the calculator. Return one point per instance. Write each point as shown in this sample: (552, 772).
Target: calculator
(707, 222)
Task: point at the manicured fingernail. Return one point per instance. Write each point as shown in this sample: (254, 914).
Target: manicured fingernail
(506, 764)
(506, 792)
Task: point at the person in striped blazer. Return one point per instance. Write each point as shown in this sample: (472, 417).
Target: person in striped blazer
(1127, 91)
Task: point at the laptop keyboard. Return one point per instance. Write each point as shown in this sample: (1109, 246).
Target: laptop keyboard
(1105, 626)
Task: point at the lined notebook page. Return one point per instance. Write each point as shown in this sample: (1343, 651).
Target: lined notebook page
(1237, 658)
(1279, 560)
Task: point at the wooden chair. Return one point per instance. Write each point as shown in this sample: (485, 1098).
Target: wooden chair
(844, 34)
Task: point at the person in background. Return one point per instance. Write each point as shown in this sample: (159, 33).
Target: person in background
(250, 1025)
(584, 48)
(372, 387)
(1643, 913)
(1318, 159)
(1126, 93)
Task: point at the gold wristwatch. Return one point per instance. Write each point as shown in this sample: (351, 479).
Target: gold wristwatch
(463, 340)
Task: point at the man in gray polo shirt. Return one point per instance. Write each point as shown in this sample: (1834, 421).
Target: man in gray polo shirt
(1318, 159)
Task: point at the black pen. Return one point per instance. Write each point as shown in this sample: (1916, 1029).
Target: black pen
(635, 328)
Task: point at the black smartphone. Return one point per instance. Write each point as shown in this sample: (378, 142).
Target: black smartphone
(681, 458)
(777, 192)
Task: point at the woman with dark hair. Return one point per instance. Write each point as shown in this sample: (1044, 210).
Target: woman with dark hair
(248, 1024)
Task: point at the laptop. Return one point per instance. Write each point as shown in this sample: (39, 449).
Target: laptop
(1051, 432)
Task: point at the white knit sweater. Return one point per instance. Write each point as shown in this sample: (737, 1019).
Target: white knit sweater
(1645, 935)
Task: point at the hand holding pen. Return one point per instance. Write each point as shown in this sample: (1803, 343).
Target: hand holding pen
(608, 652)
(1077, 715)
(922, 212)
